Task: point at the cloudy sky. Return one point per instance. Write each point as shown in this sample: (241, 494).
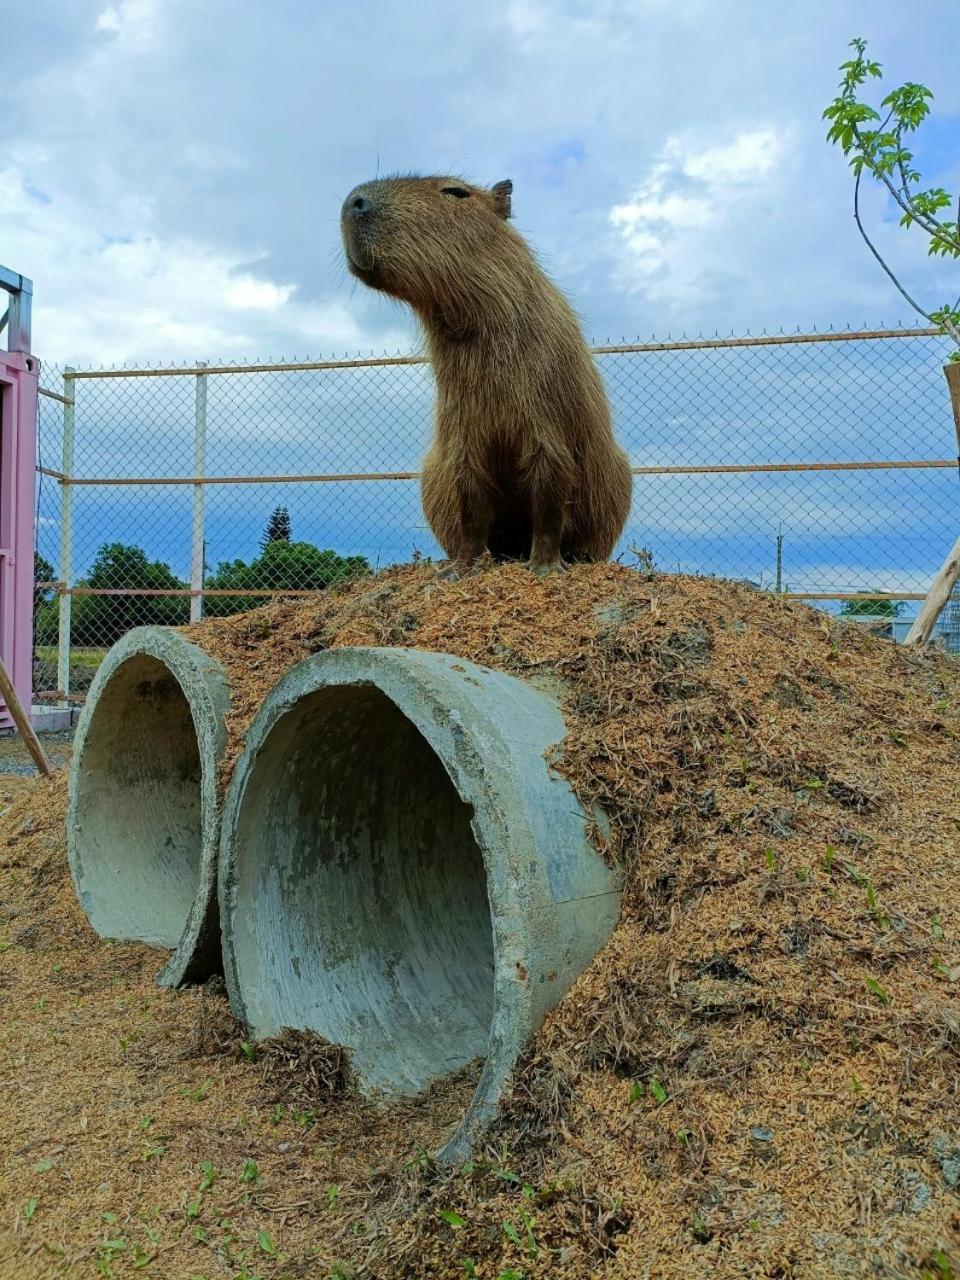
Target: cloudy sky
(171, 171)
(171, 174)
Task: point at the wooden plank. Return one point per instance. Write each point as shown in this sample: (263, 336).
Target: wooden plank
(20, 718)
(937, 597)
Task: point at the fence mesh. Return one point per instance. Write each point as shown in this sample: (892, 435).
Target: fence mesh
(127, 550)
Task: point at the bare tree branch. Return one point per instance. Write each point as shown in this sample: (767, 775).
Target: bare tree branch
(856, 213)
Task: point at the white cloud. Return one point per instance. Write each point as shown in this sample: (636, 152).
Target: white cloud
(258, 295)
(122, 292)
(677, 219)
(133, 22)
(524, 17)
(751, 155)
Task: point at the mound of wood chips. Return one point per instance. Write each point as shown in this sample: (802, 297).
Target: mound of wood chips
(758, 1077)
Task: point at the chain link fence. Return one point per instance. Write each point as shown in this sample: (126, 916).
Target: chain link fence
(819, 465)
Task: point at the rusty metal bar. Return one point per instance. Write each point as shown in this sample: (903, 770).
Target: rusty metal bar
(185, 591)
(625, 348)
(853, 595)
(319, 591)
(910, 464)
(53, 395)
(765, 340)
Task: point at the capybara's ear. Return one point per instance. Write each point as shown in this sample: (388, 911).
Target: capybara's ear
(501, 195)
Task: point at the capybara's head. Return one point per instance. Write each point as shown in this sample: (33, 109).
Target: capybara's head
(427, 240)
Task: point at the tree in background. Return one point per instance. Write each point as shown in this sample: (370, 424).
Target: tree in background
(43, 571)
(877, 145)
(876, 607)
(98, 621)
(283, 566)
(278, 528)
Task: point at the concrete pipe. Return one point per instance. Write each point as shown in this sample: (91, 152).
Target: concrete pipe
(143, 823)
(400, 872)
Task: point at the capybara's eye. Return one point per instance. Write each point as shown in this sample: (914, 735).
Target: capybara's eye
(461, 193)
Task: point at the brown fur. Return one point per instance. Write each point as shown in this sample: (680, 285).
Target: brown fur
(523, 461)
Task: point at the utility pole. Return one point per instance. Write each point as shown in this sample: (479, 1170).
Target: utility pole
(779, 559)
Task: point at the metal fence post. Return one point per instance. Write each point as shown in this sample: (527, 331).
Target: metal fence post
(199, 469)
(66, 532)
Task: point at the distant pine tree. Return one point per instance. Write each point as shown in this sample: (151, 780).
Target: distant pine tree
(278, 528)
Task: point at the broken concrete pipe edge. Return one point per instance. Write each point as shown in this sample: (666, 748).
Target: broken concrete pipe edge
(143, 823)
(402, 874)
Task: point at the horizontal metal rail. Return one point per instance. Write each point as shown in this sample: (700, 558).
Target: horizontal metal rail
(607, 349)
(63, 590)
(909, 464)
(54, 395)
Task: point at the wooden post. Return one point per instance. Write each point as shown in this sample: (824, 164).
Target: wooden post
(949, 575)
(22, 721)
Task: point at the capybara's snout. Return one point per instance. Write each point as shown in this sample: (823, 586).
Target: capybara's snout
(356, 219)
(358, 205)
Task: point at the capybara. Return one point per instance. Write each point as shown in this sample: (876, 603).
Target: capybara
(523, 462)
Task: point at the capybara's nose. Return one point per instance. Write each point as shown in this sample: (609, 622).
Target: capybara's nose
(357, 205)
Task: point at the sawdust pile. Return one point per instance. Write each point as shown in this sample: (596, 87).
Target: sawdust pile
(758, 1077)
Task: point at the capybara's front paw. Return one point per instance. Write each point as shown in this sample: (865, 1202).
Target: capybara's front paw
(543, 568)
(450, 572)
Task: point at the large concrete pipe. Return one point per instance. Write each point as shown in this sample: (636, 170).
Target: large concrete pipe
(143, 824)
(401, 873)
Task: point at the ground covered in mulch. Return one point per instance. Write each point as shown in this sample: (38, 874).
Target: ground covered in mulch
(758, 1077)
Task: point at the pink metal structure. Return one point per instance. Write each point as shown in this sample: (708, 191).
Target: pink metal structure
(18, 447)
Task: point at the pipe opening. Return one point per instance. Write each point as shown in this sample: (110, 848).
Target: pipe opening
(361, 892)
(138, 819)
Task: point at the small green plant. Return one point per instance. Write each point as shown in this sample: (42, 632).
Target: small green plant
(107, 1253)
(341, 1271)
(43, 1166)
(333, 1194)
(251, 1172)
(770, 858)
(828, 858)
(266, 1244)
(874, 987)
(882, 919)
(248, 1050)
(209, 1175)
(653, 1087)
(199, 1093)
(29, 1209)
(421, 1160)
(451, 1219)
(526, 1241)
(944, 1267)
